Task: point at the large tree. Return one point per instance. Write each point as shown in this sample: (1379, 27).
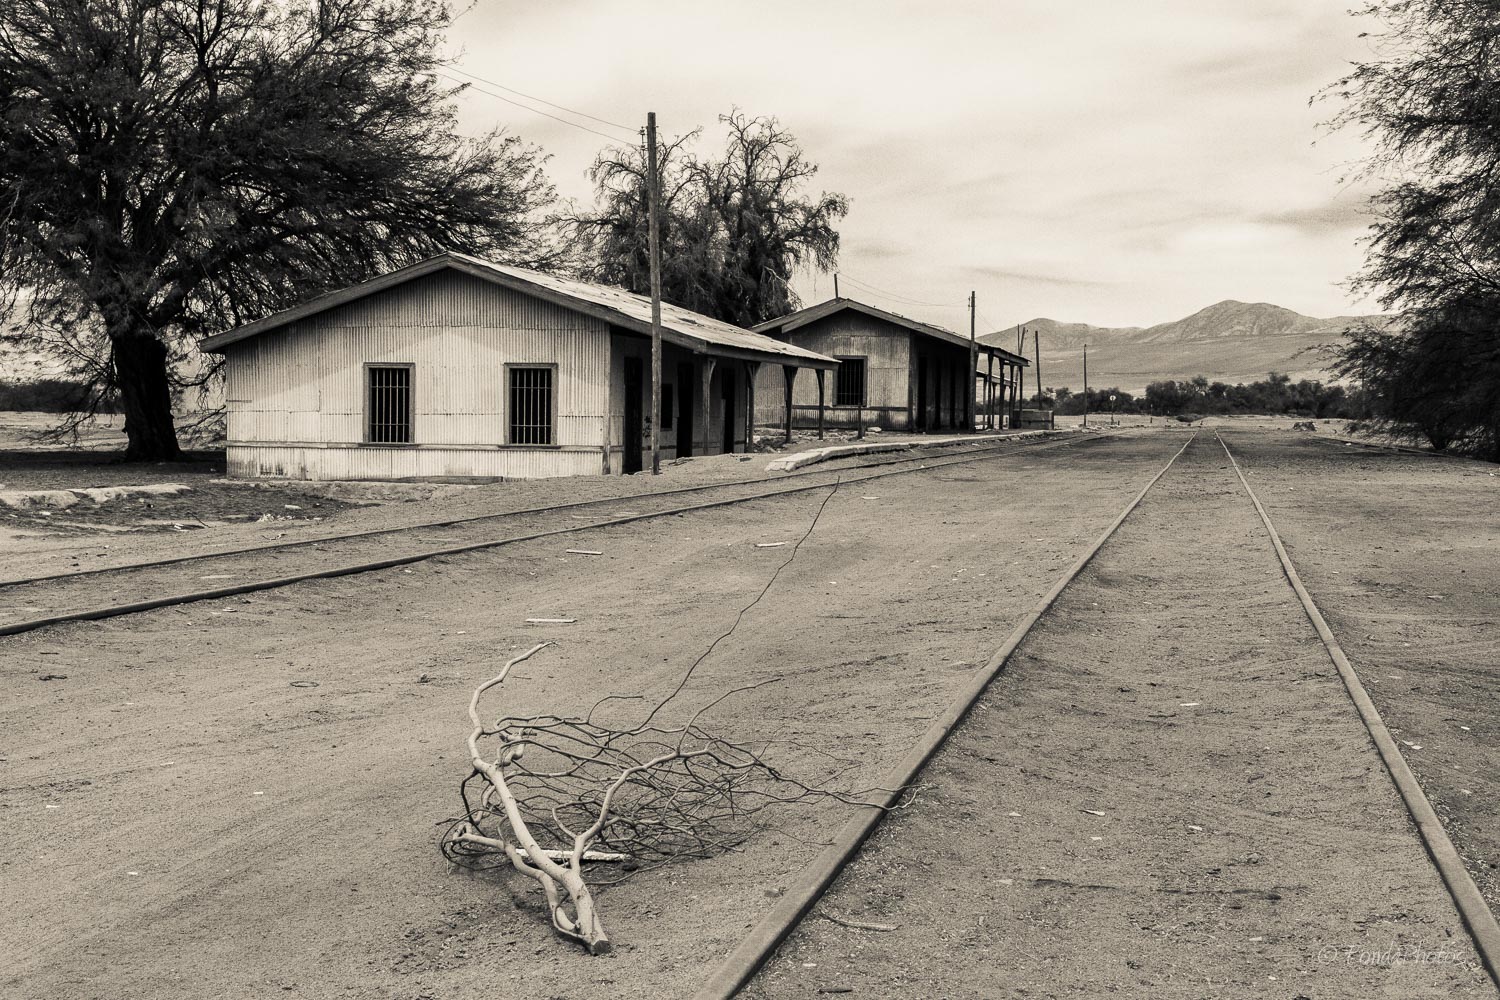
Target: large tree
(170, 168)
(734, 228)
(1429, 102)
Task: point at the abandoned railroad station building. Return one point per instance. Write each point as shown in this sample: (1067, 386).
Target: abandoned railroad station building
(458, 367)
(894, 373)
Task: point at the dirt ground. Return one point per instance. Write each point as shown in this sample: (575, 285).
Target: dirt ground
(180, 820)
(1402, 554)
(1167, 794)
(73, 594)
(217, 514)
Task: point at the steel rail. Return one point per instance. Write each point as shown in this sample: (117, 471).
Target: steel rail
(252, 586)
(1476, 913)
(993, 446)
(761, 940)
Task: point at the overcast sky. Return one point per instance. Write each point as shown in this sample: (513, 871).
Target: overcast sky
(1085, 160)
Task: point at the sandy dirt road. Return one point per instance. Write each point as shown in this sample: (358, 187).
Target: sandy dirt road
(218, 515)
(1167, 794)
(21, 601)
(179, 820)
(1402, 554)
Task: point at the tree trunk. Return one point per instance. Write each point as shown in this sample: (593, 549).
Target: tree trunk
(146, 397)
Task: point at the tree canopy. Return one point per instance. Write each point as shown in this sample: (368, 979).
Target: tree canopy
(1429, 102)
(733, 229)
(1276, 394)
(171, 168)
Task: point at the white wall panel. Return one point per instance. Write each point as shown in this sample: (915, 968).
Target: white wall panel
(335, 463)
(305, 384)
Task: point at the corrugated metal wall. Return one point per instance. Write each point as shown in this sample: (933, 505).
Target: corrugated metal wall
(355, 462)
(305, 384)
(673, 358)
(887, 349)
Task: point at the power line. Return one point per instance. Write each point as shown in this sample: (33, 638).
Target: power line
(527, 107)
(991, 324)
(543, 100)
(844, 275)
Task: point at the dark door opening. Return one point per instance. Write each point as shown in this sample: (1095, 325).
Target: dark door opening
(685, 383)
(727, 378)
(944, 402)
(921, 393)
(634, 421)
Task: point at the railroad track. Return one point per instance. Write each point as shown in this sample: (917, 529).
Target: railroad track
(131, 588)
(808, 886)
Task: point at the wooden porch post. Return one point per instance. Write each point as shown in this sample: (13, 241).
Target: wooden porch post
(706, 372)
(989, 400)
(1015, 395)
(1010, 397)
(820, 373)
(789, 372)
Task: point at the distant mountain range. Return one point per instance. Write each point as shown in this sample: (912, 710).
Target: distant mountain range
(1228, 342)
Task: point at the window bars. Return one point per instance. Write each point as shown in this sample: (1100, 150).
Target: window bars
(849, 387)
(530, 405)
(389, 405)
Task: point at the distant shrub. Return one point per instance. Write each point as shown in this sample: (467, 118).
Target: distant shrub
(50, 395)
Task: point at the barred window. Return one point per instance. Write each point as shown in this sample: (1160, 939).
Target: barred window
(849, 387)
(388, 406)
(530, 405)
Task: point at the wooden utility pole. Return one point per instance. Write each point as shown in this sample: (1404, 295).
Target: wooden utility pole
(1036, 346)
(653, 195)
(1085, 385)
(989, 392)
(973, 367)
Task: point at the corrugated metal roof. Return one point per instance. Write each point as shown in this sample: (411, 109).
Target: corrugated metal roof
(811, 314)
(614, 305)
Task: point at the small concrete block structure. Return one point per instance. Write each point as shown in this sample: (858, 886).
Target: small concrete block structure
(895, 373)
(1036, 418)
(460, 367)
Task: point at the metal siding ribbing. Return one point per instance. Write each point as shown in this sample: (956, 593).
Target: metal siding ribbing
(886, 348)
(306, 383)
(293, 462)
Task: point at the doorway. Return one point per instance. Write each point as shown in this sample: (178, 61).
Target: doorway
(921, 414)
(727, 378)
(685, 381)
(634, 421)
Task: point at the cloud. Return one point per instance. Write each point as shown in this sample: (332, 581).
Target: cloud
(1340, 216)
(1005, 276)
(1104, 162)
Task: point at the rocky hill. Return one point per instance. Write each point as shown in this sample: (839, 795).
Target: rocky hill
(1228, 342)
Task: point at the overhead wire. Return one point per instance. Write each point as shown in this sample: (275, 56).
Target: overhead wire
(993, 327)
(474, 80)
(876, 289)
(543, 100)
(527, 107)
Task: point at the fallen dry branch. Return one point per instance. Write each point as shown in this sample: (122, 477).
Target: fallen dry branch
(858, 925)
(549, 794)
(640, 796)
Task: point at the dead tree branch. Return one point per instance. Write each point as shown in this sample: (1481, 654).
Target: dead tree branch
(638, 795)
